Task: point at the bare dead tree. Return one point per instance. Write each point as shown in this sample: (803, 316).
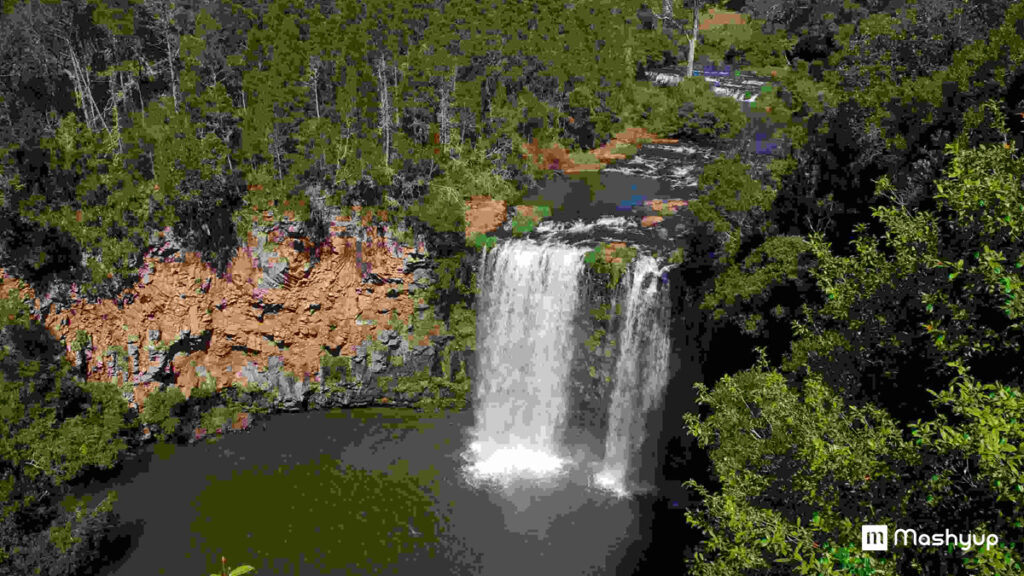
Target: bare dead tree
(669, 22)
(165, 13)
(385, 106)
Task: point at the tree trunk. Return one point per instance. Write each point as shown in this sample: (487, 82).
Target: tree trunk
(693, 38)
(447, 94)
(170, 68)
(385, 108)
(138, 86)
(666, 17)
(83, 84)
(314, 81)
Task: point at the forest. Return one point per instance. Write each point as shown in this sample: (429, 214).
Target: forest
(869, 270)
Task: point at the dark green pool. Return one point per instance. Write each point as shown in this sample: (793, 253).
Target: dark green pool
(361, 491)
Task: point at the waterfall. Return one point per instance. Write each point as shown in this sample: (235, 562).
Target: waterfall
(525, 343)
(641, 372)
(531, 295)
(742, 89)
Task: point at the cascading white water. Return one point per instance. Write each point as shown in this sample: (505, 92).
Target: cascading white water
(525, 343)
(641, 373)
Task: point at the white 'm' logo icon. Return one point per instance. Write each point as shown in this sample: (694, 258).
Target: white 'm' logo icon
(874, 537)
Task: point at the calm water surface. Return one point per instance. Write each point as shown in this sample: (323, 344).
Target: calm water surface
(365, 491)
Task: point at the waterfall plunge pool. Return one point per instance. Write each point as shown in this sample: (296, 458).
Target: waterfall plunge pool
(363, 491)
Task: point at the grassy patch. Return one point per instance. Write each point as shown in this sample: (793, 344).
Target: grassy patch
(627, 149)
(583, 158)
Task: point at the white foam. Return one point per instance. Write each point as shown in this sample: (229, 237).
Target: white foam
(508, 463)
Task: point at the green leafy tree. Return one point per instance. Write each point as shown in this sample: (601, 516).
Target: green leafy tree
(927, 307)
(53, 429)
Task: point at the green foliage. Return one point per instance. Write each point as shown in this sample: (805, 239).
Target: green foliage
(159, 410)
(337, 369)
(760, 419)
(689, 109)
(626, 149)
(442, 208)
(733, 201)
(932, 293)
(472, 172)
(601, 313)
(462, 325)
(583, 158)
(677, 256)
(436, 393)
(595, 339)
(206, 389)
(218, 418)
(82, 341)
(749, 42)
(237, 571)
(53, 428)
(452, 278)
(523, 224)
(602, 262)
(988, 424)
(479, 240)
(773, 263)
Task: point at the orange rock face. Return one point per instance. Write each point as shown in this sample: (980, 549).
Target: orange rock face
(718, 18)
(556, 157)
(649, 221)
(528, 212)
(609, 251)
(658, 205)
(484, 214)
(317, 305)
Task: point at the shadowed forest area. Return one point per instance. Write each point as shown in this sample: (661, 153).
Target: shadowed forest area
(860, 290)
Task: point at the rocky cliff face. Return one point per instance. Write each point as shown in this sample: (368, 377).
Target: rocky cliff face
(282, 319)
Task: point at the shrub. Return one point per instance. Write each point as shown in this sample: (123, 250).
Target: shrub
(206, 389)
(442, 208)
(689, 109)
(479, 240)
(437, 393)
(159, 409)
(597, 259)
(82, 341)
(522, 224)
(336, 369)
(218, 418)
